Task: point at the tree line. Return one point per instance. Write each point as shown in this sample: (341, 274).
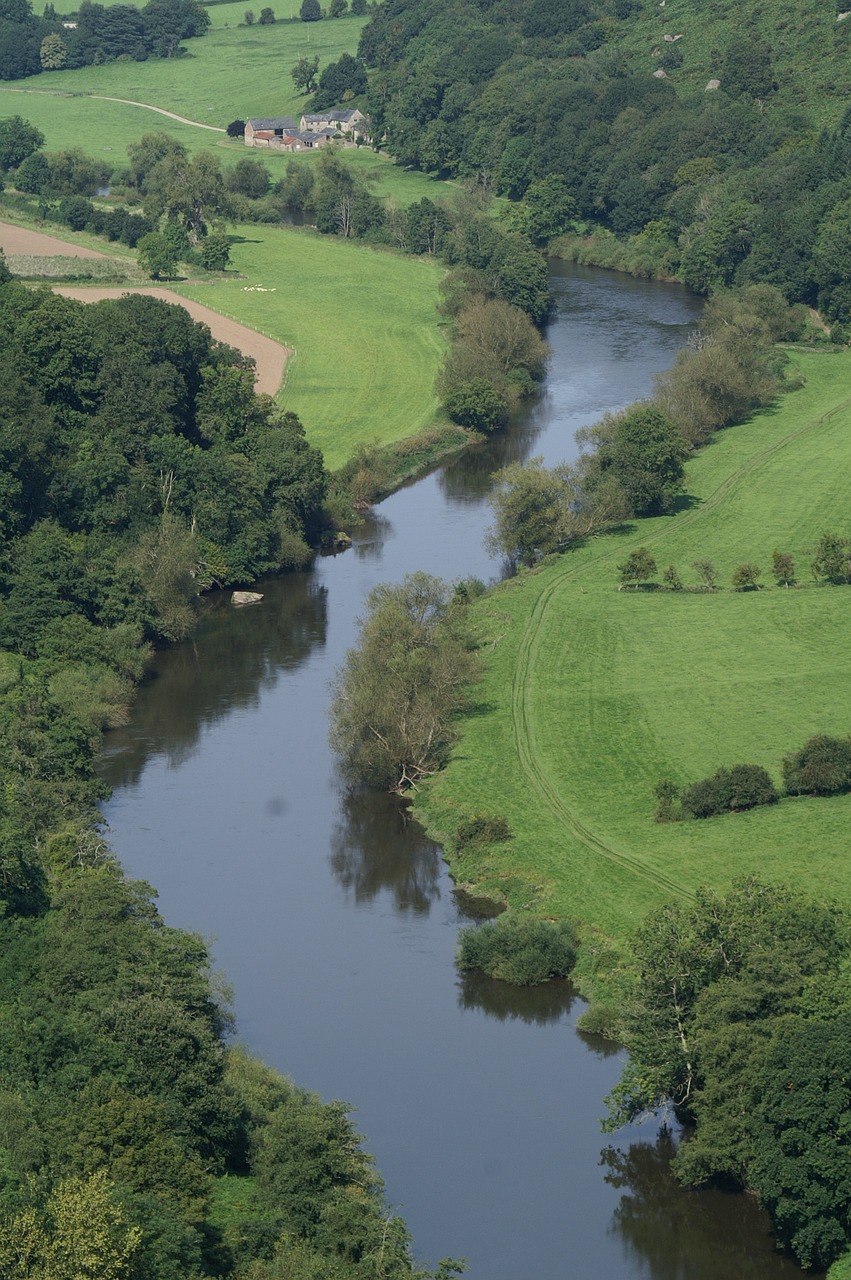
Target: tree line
(831, 564)
(737, 186)
(101, 33)
(633, 464)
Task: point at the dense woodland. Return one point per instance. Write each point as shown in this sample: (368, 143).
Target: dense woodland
(138, 468)
(30, 44)
(745, 183)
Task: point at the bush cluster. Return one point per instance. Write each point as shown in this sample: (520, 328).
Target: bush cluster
(482, 829)
(822, 767)
(524, 951)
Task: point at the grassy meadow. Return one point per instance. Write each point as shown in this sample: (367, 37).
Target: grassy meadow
(592, 694)
(363, 324)
(230, 73)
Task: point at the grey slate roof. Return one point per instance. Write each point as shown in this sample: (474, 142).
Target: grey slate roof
(285, 123)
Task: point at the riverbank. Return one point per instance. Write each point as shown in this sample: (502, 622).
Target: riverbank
(592, 695)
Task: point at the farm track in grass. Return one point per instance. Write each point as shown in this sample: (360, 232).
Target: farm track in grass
(524, 687)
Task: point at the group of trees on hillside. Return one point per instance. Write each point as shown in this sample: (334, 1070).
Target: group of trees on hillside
(726, 188)
(30, 44)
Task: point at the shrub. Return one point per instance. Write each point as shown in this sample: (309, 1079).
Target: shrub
(667, 795)
(746, 577)
(707, 573)
(524, 951)
(783, 568)
(672, 579)
(638, 567)
(476, 403)
(832, 560)
(482, 829)
(822, 767)
(744, 786)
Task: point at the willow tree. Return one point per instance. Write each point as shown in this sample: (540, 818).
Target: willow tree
(401, 687)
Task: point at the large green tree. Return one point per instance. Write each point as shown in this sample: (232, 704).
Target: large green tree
(401, 686)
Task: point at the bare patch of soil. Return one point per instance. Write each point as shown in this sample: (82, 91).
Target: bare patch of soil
(17, 241)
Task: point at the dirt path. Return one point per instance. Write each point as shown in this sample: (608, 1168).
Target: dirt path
(17, 241)
(270, 356)
(128, 102)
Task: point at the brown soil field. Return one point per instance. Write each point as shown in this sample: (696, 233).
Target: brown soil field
(17, 241)
(270, 357)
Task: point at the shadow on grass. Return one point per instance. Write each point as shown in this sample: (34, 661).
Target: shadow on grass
(685, 502)
(478, 710)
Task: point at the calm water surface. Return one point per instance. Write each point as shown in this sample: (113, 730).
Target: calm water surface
(333, 917)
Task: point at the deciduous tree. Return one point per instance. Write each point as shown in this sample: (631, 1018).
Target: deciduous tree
(304, 73)
(400, 687)
(638, 567)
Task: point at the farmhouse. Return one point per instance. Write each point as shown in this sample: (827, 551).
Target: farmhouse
(349, 121)
(281, 133)
(267, 131)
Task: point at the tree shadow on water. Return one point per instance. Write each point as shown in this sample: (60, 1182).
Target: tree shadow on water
(548, 1002)
(376, 847)
(680, 1234)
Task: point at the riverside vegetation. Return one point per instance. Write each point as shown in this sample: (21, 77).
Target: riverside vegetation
(594, 694)
(135, 1142)
(584, 695)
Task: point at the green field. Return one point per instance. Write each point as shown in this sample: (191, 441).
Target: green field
(230, 73)
(363, 324)
(591, 694)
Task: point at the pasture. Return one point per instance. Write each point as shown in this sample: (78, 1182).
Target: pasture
(363, 325)
(592, 694)
(230, 73)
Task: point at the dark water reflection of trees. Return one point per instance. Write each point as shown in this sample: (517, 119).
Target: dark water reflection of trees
(685, 1235)
(548, 1002)
(234, 656)
(376, 847)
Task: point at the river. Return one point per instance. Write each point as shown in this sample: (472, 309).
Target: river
(333, 918)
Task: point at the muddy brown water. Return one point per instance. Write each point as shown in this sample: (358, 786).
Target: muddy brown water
(334, 920)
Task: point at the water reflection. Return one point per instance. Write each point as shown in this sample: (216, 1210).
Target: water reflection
(687, 1235)
(547, 1002)
(371, 536)
(376, 847)
(233, 657)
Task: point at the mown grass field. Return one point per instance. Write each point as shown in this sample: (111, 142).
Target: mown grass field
(363, 324)
(230, 73)
(591, 694)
